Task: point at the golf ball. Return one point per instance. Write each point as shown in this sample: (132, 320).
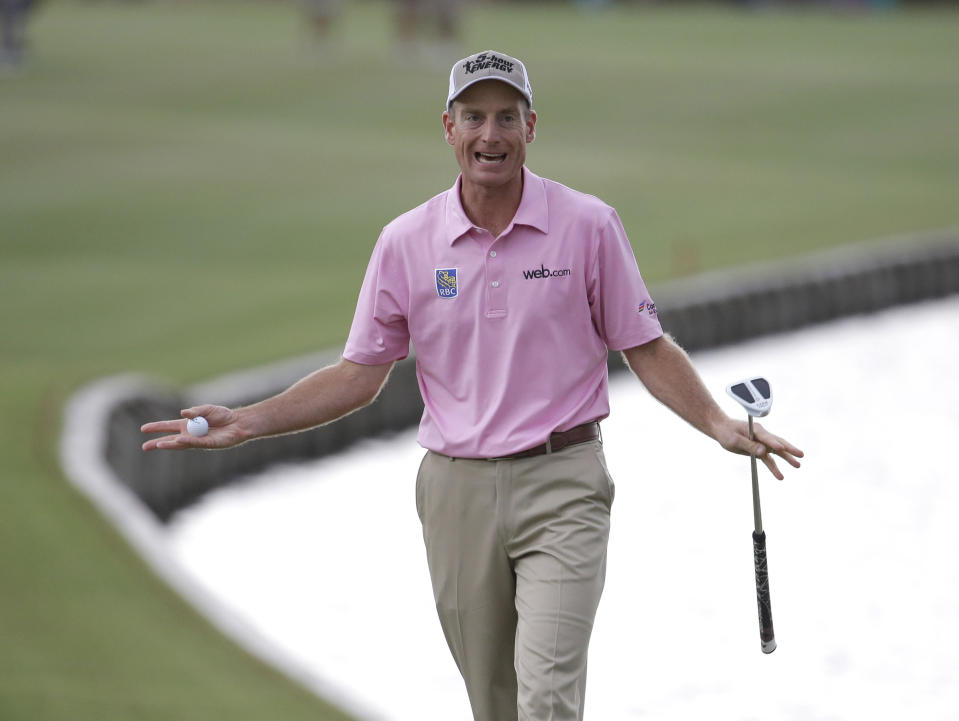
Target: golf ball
(197, 426)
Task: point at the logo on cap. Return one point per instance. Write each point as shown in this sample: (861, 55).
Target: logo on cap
(446, 285)
(486, 61)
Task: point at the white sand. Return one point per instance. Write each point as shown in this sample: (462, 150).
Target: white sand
(326, 559)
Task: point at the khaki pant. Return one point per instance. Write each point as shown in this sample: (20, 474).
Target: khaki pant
(517, 556)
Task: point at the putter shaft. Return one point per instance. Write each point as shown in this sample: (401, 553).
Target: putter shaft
(757, 512)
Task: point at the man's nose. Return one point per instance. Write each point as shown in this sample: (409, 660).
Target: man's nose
(490, 131)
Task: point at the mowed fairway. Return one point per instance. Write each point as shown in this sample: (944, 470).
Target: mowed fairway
(186, 189)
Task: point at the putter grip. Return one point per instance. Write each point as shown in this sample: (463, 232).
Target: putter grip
(766, 634)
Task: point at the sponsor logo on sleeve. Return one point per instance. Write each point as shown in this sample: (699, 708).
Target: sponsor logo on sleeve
(647, 307)
(446, 282)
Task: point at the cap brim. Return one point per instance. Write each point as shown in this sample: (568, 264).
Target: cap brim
(471, 83)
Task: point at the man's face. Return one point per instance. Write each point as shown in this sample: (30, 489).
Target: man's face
(489, 127)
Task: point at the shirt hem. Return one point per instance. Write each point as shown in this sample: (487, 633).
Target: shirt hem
(372, 360)
(625, 344)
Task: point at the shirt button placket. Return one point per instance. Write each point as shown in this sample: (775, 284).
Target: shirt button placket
(496, 290)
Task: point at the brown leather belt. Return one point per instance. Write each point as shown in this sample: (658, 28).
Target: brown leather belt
(558, 441)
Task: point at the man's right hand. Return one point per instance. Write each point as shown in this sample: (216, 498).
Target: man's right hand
(321, 397)
(225, 430)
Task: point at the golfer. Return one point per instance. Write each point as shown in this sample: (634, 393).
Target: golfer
(512, 289)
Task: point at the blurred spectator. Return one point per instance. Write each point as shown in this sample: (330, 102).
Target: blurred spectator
(592, 5)
(840, 4)
(319, 16)
(13, 31)
(430, 27)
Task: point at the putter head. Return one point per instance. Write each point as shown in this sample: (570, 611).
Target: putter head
(753, 394)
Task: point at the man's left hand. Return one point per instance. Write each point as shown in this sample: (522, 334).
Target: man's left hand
(733, 435)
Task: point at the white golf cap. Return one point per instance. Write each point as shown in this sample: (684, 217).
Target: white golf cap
(488, 65)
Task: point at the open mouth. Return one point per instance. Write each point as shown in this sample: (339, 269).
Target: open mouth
(489, 158)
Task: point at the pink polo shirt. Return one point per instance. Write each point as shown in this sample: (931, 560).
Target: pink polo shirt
(510, 333)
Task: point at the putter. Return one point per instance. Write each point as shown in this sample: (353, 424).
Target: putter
(755, 395)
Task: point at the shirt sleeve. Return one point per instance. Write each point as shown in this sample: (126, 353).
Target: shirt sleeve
(623, 311)
(380, 332)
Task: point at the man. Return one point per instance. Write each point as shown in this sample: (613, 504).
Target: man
(437, 22)
(320, 15)
(13, 31)
(512, 289)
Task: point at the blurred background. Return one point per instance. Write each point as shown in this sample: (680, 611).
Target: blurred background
(190, 187)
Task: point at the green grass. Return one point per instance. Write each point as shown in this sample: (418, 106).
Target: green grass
(185, 190)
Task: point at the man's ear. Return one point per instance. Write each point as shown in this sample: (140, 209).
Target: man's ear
(531, 126)
(448, 126)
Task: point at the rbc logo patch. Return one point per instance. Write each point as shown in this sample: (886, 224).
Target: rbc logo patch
(446, 285)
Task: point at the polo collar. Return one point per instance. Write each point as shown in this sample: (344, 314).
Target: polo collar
(533, 209)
